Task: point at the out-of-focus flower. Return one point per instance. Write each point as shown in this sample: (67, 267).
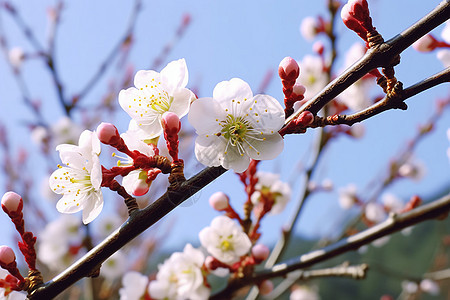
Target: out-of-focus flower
(6, 292)
(356, 96)
(134, 286)
(270, 187)
(56, 241)
(374, 212)
(347, 196)
(65, 131)
(304, 293)
(114, 266)
(107, 224)
(219, 201)
(156, 93)
(444, 56)
(235, 126)
(410, 287)
(413, 169)
(313, 75)
(445, 34)
(16, 57)
(80, 179)
(225, 240)
(429, 286)
(309, 28)
(392, 203)
(180, 277)
(380, 242)
(426, 43)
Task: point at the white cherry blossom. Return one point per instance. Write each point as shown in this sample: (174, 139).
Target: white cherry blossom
(234, 126)
(312, 75)
(225, 240)
(6, 293)
(154, 94)
(270, 185)
(80, 178)
(134, 286)
(180, 277)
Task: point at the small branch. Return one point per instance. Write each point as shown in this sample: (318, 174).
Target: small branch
(438, 275)
(343, 270)
(387, 103)
(113, 53)
(379, 56)
(135, 225)
(394, 223)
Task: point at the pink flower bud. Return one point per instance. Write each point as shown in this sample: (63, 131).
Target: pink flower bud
(288, 69)
(305, 118)
(7, 255)
(171, 122)
(219, 201)
(266, 287)
(298, 89)
(318, 47)
(12, 201)
(107, 133)
(426, 43)
(260, 252)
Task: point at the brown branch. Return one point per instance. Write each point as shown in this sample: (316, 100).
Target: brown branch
(389, 102)
(137, 223)
(382, 55)
(344, 270)
(394, 223)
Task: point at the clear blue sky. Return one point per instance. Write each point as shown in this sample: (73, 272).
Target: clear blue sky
(231, 39)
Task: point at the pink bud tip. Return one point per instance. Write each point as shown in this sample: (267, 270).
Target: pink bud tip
(219, 201)
(11, 201)
(260, 252)
(140, 188)
(305, 118)
(266, 287)
(107, 133)
(7, 255)
(318, 47)
(288, 69)
(298, 89)
(171, 122)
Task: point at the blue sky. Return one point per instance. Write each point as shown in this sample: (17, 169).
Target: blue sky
(231, 39)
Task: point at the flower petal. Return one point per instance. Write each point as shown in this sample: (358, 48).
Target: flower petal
(205, 115)
(209, 150)
(93, 207)
(181, 100)
(143, 78)
(269, 148)
(236, 89)
(266, 114)
(174, 75)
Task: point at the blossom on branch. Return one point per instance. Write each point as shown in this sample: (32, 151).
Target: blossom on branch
(234, 126)
(80, 178)
(156, 93)
(225, 240)
(271, 188)
(180, 277)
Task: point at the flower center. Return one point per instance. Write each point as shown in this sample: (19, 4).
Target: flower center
(235, 129)
(226, 245)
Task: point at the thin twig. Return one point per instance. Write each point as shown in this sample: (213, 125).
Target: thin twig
(385, 104)
(394, 223)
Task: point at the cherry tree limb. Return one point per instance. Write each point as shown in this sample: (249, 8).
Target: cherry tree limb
(382, 55)
(387, 103)
(436, 209)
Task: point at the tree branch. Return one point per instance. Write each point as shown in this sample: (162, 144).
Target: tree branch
(380, 56)
(137, 223)
(393, 223)
(385, 104)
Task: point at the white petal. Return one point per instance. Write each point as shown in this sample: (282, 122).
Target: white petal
(226, 91)
(153, 129)
(70, 203)
(93, 208)
(96, 173)
(174, 75)
(205, 115)
(266, 149)
(209, 150)
(234, 160)
(143, 78)
(267, 113)
(181, 100)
